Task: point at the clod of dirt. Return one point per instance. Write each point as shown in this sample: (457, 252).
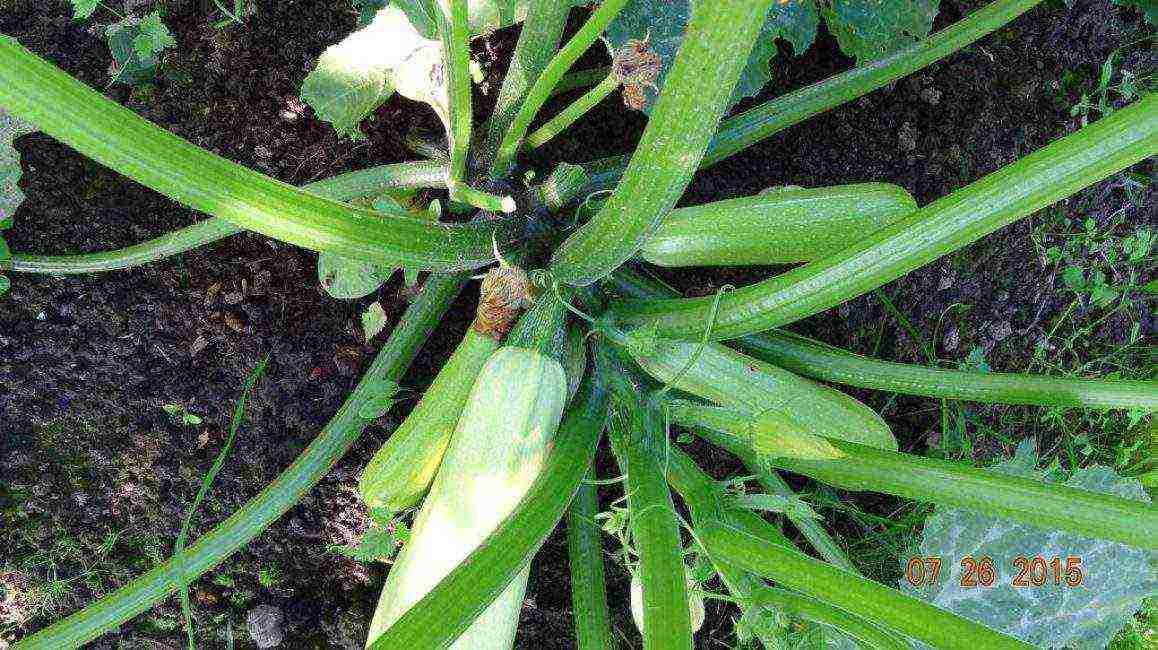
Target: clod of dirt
(264, 623)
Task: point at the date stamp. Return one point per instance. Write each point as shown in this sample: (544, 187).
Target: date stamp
(1025, 571)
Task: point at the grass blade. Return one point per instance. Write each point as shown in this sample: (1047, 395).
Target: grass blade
(206, 482)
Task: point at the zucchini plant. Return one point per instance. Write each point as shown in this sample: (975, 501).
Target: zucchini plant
(572, 340)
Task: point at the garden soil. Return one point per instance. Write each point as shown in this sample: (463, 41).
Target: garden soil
(96, 475)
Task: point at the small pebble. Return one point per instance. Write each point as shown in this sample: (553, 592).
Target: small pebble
(264, 623)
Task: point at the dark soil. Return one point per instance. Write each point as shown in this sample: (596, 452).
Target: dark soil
(89, 458)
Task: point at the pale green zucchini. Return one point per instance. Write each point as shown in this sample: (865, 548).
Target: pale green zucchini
(402, 469)
(732, 379)
(496, 452)
(778, 226)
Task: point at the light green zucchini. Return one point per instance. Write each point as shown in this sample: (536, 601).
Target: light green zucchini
(732, 379)
(496, 452)
(778, 226)
(402, 469)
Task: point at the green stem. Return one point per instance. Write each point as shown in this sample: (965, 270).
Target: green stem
(819, 611)
(850, 592)
(448, 609)
(581, 79)
(285, 491)
(456, 43)
(818, 360)
(1060, 169)
(654, 526)
(714, 51)
(567, 116)
(82, 118)
(588, 584)
(761, 122)
(1045, 505)
(344, 187)
(815, 359)
(541, 89)
(538, 40)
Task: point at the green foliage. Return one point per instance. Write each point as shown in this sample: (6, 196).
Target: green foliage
(381, 541)
(83, 9)
(367, 9)
(182, 415)
(871, 29)
(10, 172)
(865, 29)
(1116, 577)
(136, 45)
(1149, 9)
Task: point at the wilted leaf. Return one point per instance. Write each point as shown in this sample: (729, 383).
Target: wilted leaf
(871, 29)
(663, 22)
(354, 77)
(1116, 577)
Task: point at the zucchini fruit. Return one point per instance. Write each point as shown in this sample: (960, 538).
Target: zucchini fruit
(757, 389)
(496, 452)
(402, 469)
(780, 225)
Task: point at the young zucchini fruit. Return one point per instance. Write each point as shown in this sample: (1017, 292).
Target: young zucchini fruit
(497, 450)
(402, 469)
(780, 225)
(755, 388)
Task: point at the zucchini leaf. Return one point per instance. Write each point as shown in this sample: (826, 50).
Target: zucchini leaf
(349, 278)
(355, 76)
(1116, 577)
(10, 195)
(367, 9)
(871, 29)
(865, 29)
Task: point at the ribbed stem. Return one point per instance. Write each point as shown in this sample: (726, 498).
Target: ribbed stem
(567, 116)
(344, 187)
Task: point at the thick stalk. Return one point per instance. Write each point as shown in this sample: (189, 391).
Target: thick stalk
(588, 583)
(541, 90)
(714, 50)
(638, 439)
(815, 359)
(850, 592)
(1045, 505)
(818, 360)
(105, 131)
(765, 120)
(567, 116)
(1060, 169)
(538, 40)
(344, 187)
(265, 508)
(455, 32)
